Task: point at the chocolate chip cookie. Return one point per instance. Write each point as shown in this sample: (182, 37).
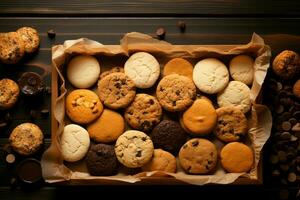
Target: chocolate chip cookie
(12, 48)
(231, 124)
(101, 160)
(112, 70)
(30, 37)
(198, 156)
(116, 90)
(9, 93)
(176, 92)
(134, 149)
(168, 135)
(144, 112)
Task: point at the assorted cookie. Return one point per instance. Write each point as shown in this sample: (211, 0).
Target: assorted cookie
(143, 113)
(179, 66)
(241, 68)
(9, 93)
(30, 38)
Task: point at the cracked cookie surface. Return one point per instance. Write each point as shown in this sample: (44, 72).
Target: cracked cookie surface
(175, 92)
(143, 113)
(134, 148)
(12, 48)
(9, 93)
(30, 38)
(116, 90)
(83, 106)
(231, 124)
(198, 156)
(75, 142)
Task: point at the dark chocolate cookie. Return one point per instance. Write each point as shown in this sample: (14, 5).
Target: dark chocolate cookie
(169, 136)
(101, 160)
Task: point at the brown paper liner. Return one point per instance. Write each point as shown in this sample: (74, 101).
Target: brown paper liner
(260, 119)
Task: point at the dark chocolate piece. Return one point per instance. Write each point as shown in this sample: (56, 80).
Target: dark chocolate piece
(51, 33)
(31, 84)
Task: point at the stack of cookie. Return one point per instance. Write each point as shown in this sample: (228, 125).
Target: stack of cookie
(124, 123)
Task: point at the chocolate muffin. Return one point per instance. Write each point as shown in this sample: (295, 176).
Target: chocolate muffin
(101, 160)
(169, 136)
(31, 84)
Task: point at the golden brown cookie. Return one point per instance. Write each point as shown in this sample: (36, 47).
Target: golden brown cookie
(179, 66)
(12, 48)
(161, 161)
(200, 119)
(83, 106)
(116, 90)
(175, 92)
(26, 139)
(112, 70)
(286, 64)
(143, 113)
(107, 128)
(231, 125)
(30, 38)
(296, 88)
(236, 157)
(9, 93)
(198, 156)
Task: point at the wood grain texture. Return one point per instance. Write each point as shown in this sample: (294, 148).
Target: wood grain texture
(150, 7)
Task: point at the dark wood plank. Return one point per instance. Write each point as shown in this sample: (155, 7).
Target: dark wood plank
(150, 8)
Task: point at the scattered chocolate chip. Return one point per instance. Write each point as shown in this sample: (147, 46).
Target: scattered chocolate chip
(144, 138)
(286, 125)
(173, 103)
(118, 85)
(33, 114)
(181, 25)
(195, 143)
(10, 158)
(177, 92)
(151, 101)
(45, 113)
(51, 33)
(160, 33)
(138, 154)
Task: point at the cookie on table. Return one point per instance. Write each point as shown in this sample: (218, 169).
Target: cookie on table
(112, 70)
(179, 66)
(198, 156)
(286, 64)
(200, 119)
(83, 106)
(26, 139)
(231, 125)
(235, 94)
(9, 93)
(12, 48)
(169, 136)
(74, 142)
(116, 90)
(143, 113)
(83, 71)
(241, 68)
(236, 157)
(101, 160)
(134, 149)
(30, 38)
(161, 161)
(175, 92)
(143, 69)
(210, 75)
(107, 128)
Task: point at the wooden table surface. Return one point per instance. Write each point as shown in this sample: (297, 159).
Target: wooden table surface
(208, 22)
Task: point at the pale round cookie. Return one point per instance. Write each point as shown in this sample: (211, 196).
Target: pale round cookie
(30, 38)
(231, 125)
(236, 157)
(74, 143)
(179, 66)
(83, 106)
(143, 69)
(26, 139)
(235, 94)
(12, 48)
(161, 161)
(241, 68)
(200, 119)
(83, 71)
(198, 156)
(210, 75)
(175, 92)
(107, 128)
(9, 93)
(143, 113)
(116, 90)
(134, 148)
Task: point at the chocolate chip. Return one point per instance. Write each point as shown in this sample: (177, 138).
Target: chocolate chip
(161, 89)
(144, 138)
(151, 101)
(195, 143)
(138, 154)
(51, 33)
(118, 85)
(160, 33)
(146, 124)
(145, 112)
(177, 92)
(181, 25)
(45, 112)
(33, 114)
(173, 103)
(207, 167)
(209, 162)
